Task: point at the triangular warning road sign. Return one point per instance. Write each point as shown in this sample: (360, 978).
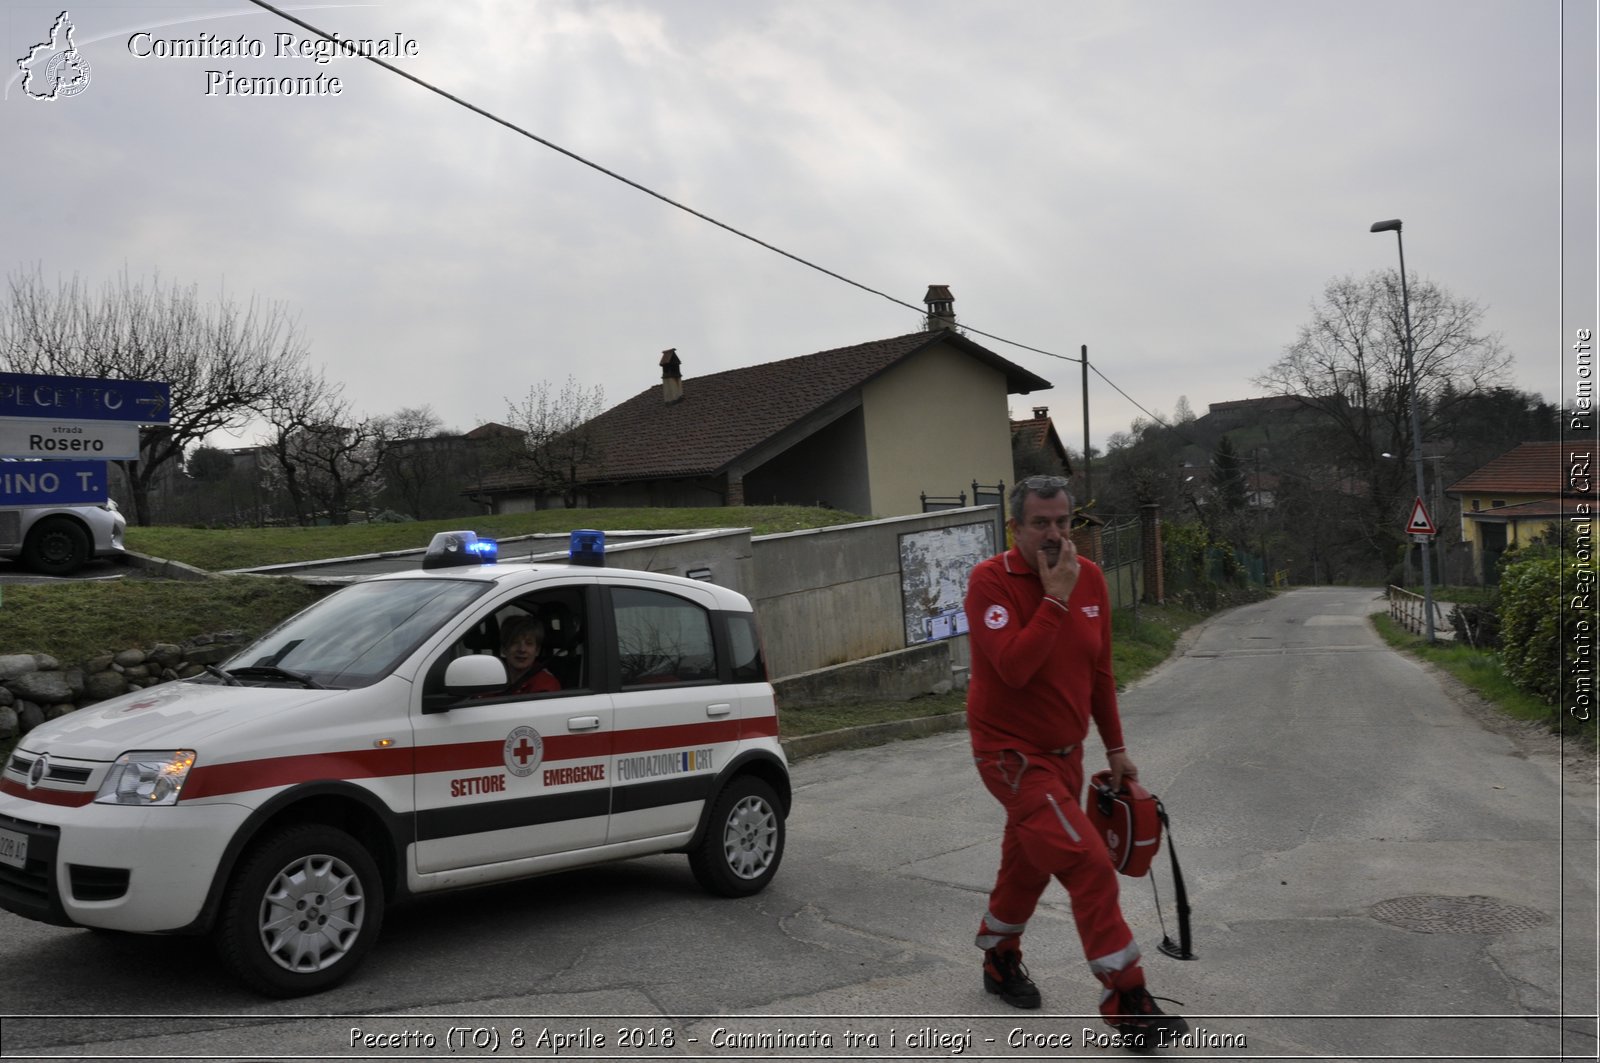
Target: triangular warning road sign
(1420, 523)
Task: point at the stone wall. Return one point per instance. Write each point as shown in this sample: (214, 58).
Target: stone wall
(35, 687)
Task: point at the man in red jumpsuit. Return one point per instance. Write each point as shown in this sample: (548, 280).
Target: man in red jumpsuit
(1039, 623)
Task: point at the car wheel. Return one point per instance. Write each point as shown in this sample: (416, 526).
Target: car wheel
(743, 842)
(301, 912)
(57, 546)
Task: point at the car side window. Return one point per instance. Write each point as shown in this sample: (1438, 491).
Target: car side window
(541, 638)
(745, 649)
(662, 638)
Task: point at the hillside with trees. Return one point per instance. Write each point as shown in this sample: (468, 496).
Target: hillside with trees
(1316, 478)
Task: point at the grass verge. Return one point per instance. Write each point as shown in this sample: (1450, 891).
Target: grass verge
(73, 621)
(1480, 670)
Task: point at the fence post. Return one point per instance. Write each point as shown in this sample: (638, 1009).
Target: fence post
(1150, 540)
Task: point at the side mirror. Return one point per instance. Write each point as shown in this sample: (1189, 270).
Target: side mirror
(480, 673)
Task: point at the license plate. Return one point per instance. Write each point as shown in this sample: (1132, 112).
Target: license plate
(13, 848)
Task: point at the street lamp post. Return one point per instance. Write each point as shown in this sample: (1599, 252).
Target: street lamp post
(1393, 225)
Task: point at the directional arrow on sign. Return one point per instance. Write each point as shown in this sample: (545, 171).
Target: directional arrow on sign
(72, 398)
(1420, 523)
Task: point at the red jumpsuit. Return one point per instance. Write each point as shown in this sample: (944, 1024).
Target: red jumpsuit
(1041, 672)
(536, 680)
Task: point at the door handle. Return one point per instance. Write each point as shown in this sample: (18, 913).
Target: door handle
(719, 710)
(583, 723)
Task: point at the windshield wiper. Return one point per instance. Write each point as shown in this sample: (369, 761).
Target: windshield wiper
(272, 671)
(212, 669)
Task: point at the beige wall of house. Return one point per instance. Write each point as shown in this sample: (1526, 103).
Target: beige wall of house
(1496, 534)
(934, 423)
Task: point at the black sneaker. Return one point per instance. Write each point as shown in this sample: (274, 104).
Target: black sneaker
(1141, 1022)
(1005, 976)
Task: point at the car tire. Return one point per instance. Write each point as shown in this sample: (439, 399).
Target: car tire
(56, 546)
(301, 911)
(743, 842)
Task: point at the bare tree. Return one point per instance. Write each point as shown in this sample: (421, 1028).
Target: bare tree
(420, 466)
(1349, 364)
(324, 458)
(343, 456)
(293, 406)
(561, 450)
(220, 360)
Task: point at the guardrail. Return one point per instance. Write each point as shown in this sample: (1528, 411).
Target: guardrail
(1410, 611)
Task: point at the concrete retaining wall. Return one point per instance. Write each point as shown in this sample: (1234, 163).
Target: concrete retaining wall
(831, 595)
(892, 676)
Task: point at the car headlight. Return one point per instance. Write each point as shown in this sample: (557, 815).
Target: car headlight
(146, 777)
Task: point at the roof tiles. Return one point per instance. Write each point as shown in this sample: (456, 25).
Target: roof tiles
(724, 415)
(1527, 469)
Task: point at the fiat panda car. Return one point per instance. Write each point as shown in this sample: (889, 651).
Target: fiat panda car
(373, 747)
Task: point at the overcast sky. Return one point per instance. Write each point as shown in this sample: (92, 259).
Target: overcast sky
(1170, 183)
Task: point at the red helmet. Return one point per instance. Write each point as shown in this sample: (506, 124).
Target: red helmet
(1129, 820)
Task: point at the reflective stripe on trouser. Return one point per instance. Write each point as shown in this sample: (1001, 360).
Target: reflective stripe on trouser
(993, 932)
(1047, 835)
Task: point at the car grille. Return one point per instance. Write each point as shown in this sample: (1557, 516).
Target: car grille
(21, 764)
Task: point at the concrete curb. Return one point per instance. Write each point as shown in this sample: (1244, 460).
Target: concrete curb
(160, 566)
(871, 734)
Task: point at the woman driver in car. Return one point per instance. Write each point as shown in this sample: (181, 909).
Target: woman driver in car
(521, 638)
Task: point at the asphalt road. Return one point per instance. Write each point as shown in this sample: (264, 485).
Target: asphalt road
(1374, 874)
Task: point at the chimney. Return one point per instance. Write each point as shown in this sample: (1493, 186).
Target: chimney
(941, 307)
(1041, 412)
(671, 376)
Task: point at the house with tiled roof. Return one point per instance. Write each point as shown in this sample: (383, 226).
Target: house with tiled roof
(1034, 443)
(1513, 499)
(869, 428)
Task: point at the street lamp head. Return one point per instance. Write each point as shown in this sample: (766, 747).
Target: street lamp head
(1390, 226)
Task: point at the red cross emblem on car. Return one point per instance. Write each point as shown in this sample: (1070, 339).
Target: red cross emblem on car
(524, 749)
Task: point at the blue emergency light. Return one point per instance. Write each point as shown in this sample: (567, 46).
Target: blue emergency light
(587, 547)
(453, 548)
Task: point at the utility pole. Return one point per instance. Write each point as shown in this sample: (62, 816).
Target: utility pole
(1088, 477)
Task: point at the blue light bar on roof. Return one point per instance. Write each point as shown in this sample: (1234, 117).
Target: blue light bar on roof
(455, 548)
(587, 547)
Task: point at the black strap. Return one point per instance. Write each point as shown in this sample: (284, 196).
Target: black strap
(1181, 950)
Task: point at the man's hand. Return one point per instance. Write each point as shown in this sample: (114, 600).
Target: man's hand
(1061, 577)
(1121, 767)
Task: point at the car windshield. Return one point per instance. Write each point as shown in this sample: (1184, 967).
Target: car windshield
(356, 636)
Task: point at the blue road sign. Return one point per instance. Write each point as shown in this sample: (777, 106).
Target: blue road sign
(52, 483)
(73, 398)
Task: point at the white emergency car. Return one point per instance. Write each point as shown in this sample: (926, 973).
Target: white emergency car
(365, 750)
